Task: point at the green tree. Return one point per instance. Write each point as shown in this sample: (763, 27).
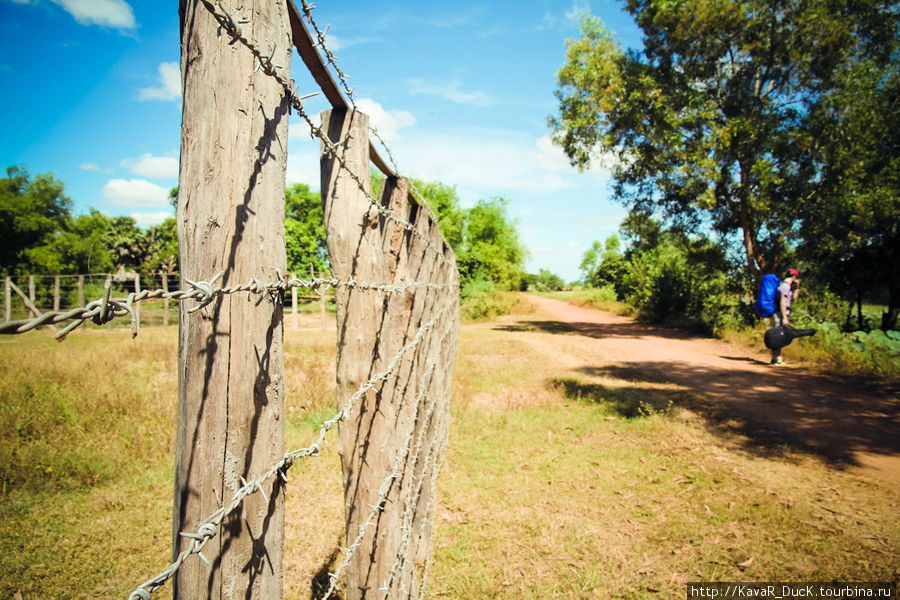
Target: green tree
(673, 277)
(32, 212)
(162, 244)
(490, 249)
(852, 231)
(81, 249)
(443, 201)
(305, 231)
(707, 123)
(128, 245)
(603, 264)
(544, 281)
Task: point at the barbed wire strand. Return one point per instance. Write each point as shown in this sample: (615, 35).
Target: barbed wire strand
(383, 491)
(233, 29)
(332, 59)
(321, 35)
(430, 466)
(106, 308)
(209, 527)
(410, 502)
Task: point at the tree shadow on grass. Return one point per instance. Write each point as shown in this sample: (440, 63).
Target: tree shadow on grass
(777, 415)
(619, 329)
(530, 326)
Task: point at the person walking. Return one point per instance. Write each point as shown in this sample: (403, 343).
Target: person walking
(787, 292)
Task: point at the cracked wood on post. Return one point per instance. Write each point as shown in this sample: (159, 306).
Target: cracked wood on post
(379, 441)
(231, 221)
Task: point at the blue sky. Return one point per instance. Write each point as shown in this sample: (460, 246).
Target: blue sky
(461, 92)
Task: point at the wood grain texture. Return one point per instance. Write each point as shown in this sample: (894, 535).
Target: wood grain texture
(231, 222)
(398, 431)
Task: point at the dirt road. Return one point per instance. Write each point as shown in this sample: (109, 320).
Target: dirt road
(844, 421)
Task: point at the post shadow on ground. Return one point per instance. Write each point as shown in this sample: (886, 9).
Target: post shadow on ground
(322, 579)
(733, 407)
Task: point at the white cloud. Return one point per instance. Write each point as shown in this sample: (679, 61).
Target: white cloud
(89, 166)
(578, 9)
(333, 42)
(299, 129)
(107, 13)
(169, 87)
(487, 161)
(154, 167)
(152, 218)
(303, 167)
(387, 122)
(135, 193)
(550, 156)
(450, 90)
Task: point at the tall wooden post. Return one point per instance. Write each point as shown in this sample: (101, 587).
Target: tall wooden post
(56, 293)
(380, 467)
(81, 290)
(31, 293)
(231, 225)
(354, 248)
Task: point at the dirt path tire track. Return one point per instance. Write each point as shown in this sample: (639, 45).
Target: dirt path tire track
(842, 420)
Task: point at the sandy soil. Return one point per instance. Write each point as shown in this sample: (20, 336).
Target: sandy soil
(847, 422)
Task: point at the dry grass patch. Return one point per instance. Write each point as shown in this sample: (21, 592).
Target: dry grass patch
(612, 487)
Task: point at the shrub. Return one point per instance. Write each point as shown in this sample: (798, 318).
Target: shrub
(482, 300)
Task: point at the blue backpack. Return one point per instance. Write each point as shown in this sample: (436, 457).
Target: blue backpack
(765, 298)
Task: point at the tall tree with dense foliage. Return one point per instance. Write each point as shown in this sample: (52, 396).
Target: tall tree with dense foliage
(852, 231)
(304, 231)
(491, 249)
(603, 264)
(31, 212)
(443, 201)
(707, 124)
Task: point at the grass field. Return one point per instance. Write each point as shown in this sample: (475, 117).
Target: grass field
(547, 491)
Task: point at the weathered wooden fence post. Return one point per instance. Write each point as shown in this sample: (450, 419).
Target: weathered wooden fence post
(410, 406)
(137, 290)
(165, 288)
(56, 293)
(294, 305)
(7, 298)
(81, 290)
(230, 230)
